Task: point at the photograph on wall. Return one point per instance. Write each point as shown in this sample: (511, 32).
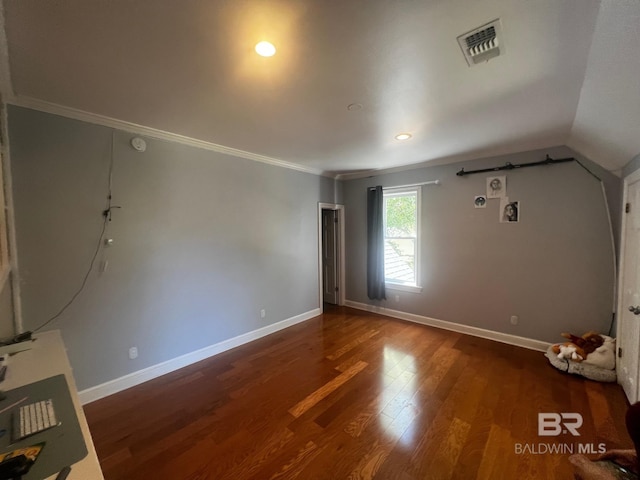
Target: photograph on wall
(496, 187)
(509, 211)
(480, 201)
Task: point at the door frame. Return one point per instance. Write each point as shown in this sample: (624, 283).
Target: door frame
(631, 178)
(339, 209)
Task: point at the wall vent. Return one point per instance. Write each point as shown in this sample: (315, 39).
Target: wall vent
(483, 43)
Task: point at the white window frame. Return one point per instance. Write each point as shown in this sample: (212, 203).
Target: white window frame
(395, 285)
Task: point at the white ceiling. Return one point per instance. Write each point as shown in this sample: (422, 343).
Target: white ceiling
(570, 75)
(607, 124)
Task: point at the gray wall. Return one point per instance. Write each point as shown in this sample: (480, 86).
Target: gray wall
(6, 311)
(632, 166)
(554, 269)
(202, 242)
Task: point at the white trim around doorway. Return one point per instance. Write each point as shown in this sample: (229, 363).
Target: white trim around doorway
(341, 252)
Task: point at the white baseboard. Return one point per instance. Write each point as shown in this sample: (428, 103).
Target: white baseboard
(131, 380)
(454, 327)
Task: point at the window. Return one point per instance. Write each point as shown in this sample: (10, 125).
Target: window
(401, 243)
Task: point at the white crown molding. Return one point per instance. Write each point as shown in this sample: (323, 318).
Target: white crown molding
(136, 378)
(507, 338)
(73, 113)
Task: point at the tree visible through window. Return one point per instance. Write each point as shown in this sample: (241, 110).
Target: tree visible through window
(401, 235)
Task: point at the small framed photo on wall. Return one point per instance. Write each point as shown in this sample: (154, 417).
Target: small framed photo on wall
(509, 211)
(480, 201)
(496, 187)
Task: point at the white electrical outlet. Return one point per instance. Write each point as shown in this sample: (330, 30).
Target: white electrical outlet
(514, 319)
(133, 353)
(263, 313)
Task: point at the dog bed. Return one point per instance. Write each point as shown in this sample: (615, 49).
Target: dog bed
(592, 372)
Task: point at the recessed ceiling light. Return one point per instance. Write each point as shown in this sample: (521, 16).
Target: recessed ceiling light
(403, 136)
(265, 49)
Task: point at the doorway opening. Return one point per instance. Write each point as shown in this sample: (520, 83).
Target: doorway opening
(331, 271)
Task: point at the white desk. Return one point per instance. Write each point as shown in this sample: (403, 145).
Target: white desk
(47, 358)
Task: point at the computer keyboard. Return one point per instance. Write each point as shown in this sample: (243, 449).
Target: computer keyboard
(33, 418)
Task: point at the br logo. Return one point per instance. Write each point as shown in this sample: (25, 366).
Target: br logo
(554, 424)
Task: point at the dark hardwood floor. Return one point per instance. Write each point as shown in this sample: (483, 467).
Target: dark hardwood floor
(353, 395)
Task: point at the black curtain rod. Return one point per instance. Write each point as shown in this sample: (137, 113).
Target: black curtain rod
(511, 166)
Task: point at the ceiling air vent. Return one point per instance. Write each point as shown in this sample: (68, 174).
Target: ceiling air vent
(483, 43)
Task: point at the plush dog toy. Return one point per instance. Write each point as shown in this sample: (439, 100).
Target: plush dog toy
(589, 342)
(578, 348)
(569, 351)
(604, 356)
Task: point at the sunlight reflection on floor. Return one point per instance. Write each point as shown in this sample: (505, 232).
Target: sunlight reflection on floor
(397, 405)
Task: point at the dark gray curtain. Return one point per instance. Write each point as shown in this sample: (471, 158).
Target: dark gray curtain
(375, 245)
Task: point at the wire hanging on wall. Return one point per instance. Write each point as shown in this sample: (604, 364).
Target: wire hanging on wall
(106, 214)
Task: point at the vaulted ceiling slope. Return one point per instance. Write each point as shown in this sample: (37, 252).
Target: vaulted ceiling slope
(568, 73)
(607, 124)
